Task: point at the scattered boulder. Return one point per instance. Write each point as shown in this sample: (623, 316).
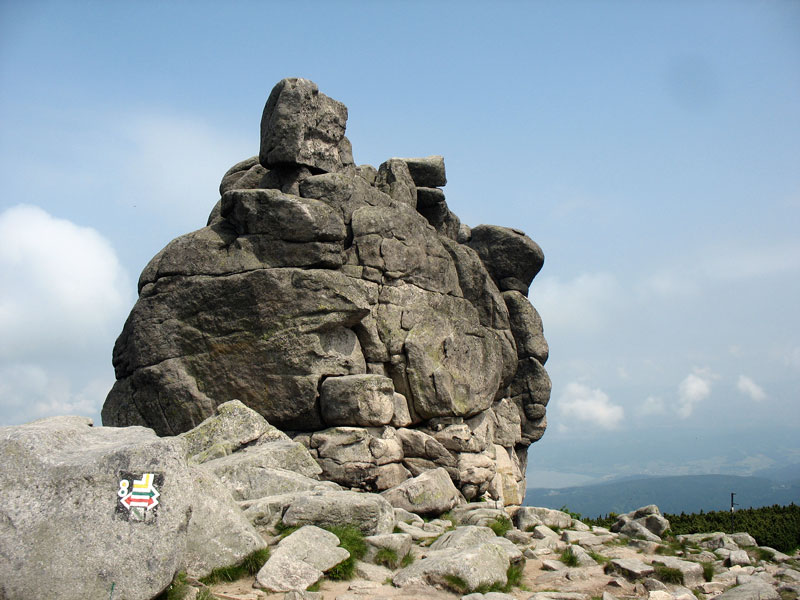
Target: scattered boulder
(431, 493)
(300, 560)
(485, 564)
(371, 513)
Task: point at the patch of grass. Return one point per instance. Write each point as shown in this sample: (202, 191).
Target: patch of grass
(456, 584)
(568, 557)
(530, 528)
(352, 540)
(249, 565)
(501, 525)
(285, 530)
(314, 587)
(386, 557)
(762, 554)
(514, 576)
(708, 570)
(397, 530)
(205, 594)
(599, 558)
(668, 574)
(253, 562)
(176, 590)
(407, 560)
(229, 573)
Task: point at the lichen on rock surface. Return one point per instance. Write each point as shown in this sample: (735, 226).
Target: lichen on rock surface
(348, 306)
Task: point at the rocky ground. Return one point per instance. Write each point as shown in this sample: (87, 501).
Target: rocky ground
(605, 564)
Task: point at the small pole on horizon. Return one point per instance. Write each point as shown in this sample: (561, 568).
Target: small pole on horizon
(732, 505)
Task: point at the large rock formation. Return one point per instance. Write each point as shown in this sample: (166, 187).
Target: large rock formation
(351, 308)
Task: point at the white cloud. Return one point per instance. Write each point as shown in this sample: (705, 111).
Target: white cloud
(583, 304)
(63, 300)
(29, 392)
(750, 388)
(63, 290)
(652, 406)
(695, 388)
(592, 406)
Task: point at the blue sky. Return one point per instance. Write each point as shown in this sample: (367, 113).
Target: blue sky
(651, 148)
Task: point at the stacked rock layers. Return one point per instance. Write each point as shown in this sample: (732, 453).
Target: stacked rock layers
(350, 307)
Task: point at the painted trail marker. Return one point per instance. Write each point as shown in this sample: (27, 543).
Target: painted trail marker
(138, 498)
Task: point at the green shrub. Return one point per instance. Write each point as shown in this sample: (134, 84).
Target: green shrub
(568, 557)
(501, 525)
(668, 574)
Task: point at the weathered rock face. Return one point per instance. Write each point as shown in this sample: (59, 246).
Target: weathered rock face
(351, 308)
(126, 498)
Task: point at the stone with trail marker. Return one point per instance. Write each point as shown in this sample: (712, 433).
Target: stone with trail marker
(125, 497)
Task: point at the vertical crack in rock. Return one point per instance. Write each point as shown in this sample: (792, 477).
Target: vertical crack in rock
(346, 304)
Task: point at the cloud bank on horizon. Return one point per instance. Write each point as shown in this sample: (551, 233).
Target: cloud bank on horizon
(657, 170)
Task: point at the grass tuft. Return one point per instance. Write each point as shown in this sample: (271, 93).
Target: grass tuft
(568, 557)
(253, 562)
(352, 540)
(205, 594)
(599, 558)
(407, 560)
(176, 590)
(249, 565)
(668, 574)
(457, 584)
(386, 557)
(501, 525)
(708, 570)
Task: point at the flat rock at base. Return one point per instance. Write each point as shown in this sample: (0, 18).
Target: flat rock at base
(300, 560)
(431, 492)
(692, 572)
(464, 537)
(632, 568)
(559, 596)
(372, 573)
(738, 557)
(488, 596)
(284, 573)
(371, 513)
(485, 564)
(750, 591)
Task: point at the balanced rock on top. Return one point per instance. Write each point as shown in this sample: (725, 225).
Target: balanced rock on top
(347, 305)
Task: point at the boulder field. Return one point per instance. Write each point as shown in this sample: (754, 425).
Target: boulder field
(119, 513)
(350, 307)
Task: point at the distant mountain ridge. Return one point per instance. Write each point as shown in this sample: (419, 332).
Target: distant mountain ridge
(675, 494)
